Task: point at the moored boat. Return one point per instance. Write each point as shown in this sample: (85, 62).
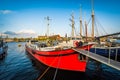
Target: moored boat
(64, 58)
(3, 49)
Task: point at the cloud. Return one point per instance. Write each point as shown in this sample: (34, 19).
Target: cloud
(10, 33)
(26, 32)
(5, 11)
(21, 33)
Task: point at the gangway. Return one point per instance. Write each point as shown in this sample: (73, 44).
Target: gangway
(102, 59)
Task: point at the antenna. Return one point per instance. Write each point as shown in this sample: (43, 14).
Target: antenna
(48, 19)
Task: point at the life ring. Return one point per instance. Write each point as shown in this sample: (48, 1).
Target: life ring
(75, 43)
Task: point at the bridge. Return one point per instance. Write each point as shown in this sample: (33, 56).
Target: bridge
(117, 33)
(102, 59)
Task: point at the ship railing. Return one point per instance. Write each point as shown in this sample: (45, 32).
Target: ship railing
(110, 49)
(105, 60)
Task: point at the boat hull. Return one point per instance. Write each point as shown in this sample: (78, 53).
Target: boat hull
(62, 59)
(61, 74)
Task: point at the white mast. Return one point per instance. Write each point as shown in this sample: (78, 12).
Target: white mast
(86, 30)
(80, 20)
(86, 33)
(73, 27)
(92, 19)
(48, 19)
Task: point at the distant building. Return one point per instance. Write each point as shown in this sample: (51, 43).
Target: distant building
(53, 37)
(42, 37)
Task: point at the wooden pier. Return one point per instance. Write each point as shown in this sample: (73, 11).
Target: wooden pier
(102, 59)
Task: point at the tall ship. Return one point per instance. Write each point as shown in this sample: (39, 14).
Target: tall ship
(64, 57)
(61, 55)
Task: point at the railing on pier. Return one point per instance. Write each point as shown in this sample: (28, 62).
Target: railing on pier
(102, 59)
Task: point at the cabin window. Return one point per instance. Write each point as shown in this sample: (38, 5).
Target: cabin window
(42, 45)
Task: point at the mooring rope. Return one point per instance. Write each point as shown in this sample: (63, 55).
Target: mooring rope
(57, 68)
(43, 73)
(40, 77)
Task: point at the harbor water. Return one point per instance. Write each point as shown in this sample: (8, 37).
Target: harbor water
(17, 65)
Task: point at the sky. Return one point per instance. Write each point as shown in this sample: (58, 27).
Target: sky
(20, 17)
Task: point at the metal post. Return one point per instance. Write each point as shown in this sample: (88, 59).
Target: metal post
(109, 55)
(88, 50)
(116, 54)
(95, 49)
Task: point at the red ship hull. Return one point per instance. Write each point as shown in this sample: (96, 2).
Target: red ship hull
(62, 59)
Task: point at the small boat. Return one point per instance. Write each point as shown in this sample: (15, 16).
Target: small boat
(63, 58)
(19, 45)
(3, 48)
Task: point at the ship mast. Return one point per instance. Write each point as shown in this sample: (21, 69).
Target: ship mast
(80, 20)
(86, 31)
(73, 27)
(92, 19)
